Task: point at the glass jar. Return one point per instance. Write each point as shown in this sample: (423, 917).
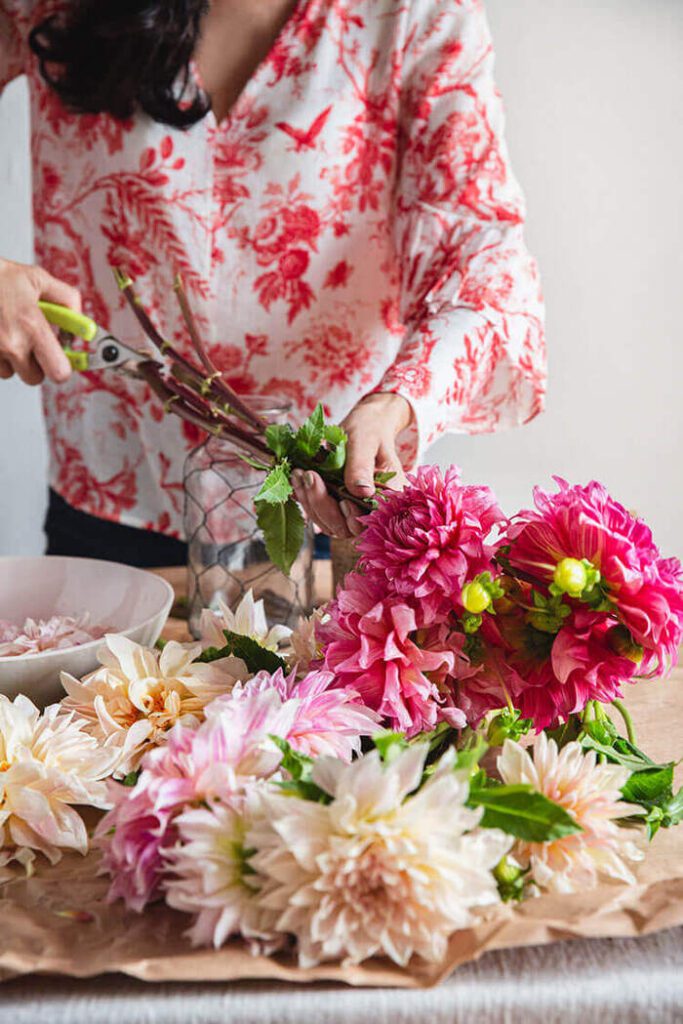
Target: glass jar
(226, 551)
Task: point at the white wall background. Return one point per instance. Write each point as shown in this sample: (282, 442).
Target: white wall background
(594, 90)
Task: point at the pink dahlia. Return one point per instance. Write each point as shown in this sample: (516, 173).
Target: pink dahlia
(212, 762)
(378, 647)
(327, 720)
(643, 589)
(548, 677)
(428, 540)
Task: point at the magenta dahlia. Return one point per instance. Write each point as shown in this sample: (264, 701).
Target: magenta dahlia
(428, 540)
(378, 646)
(587, 544)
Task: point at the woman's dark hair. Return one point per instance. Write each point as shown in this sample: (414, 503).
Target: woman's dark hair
(122, 57)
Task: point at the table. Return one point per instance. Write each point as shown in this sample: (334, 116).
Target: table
(632, 981)
(629, 981)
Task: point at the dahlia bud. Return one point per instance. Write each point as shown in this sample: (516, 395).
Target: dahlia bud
(570, 577)
(475, 598)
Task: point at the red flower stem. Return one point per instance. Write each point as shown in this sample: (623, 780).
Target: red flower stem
(216, 379)
(176, 402)
(191, 324)
(214, 387)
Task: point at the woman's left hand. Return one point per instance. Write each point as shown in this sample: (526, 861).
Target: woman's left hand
(372, 426)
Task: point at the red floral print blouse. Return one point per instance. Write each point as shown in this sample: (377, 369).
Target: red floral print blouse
(353, 225)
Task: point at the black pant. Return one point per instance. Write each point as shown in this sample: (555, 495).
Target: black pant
(70, 532)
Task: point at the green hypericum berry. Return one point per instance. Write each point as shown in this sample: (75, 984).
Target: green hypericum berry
(570, 576)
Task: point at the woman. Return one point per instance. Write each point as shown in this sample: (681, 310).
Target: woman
(329, 177)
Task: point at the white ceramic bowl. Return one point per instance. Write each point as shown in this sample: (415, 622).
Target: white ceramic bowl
(130, 601)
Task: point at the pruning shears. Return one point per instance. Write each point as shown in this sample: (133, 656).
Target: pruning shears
(104, 350)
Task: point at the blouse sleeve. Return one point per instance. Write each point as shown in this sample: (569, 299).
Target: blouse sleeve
(473, 355)
(14, 27)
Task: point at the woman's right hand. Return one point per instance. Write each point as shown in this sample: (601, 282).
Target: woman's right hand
(28, 346)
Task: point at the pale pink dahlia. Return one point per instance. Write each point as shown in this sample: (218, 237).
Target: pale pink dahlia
(327, 719)
(591, 794)
(429, 539)
(377, 871)
(376, 646)
(212, 762)
(644, 590)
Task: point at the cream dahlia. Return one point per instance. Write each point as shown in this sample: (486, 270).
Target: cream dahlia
(377, 871)
(304, 643)
(138, 694)
(248, 619)
(48, 763)
(591, 794)
(210, 877)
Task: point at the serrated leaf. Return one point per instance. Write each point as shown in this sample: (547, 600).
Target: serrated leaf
(620, 751)
(523, 812)
(651, 787)
(283, 532)
(280, 439)
(276, 488)
(255, 657)
(254, 463)
(309, 436)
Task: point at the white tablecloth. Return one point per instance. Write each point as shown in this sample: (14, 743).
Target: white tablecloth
(610, 981)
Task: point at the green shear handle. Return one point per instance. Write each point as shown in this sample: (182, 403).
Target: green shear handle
(78, 324)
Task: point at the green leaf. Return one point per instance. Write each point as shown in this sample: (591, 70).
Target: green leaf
(390, 744)
(523, 812)
(335, 439)
(468, 757)
(651, 787)
(620, 751)
(299, 767)
(283, 531)
(254, 463)
(507, 725)
(255, 657)
(276, 488)
(383, 477)
(280, 439)
(309, 436)
(131, 778)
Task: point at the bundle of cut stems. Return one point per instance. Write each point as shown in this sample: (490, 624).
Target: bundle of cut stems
(197, 392)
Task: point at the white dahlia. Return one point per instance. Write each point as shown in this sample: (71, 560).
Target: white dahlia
(377, 871)
(591, 794)
(138, 694)
(248, 619)
(48, 762)
(210, 876)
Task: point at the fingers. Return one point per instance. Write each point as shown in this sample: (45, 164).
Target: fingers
(361, 458)
(318, 504)
(28, 346)
(53, 290)
(34, 352)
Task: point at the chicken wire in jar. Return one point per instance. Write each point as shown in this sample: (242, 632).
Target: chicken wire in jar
(226, 550)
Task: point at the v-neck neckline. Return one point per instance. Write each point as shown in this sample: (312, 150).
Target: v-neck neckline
(289, 26)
